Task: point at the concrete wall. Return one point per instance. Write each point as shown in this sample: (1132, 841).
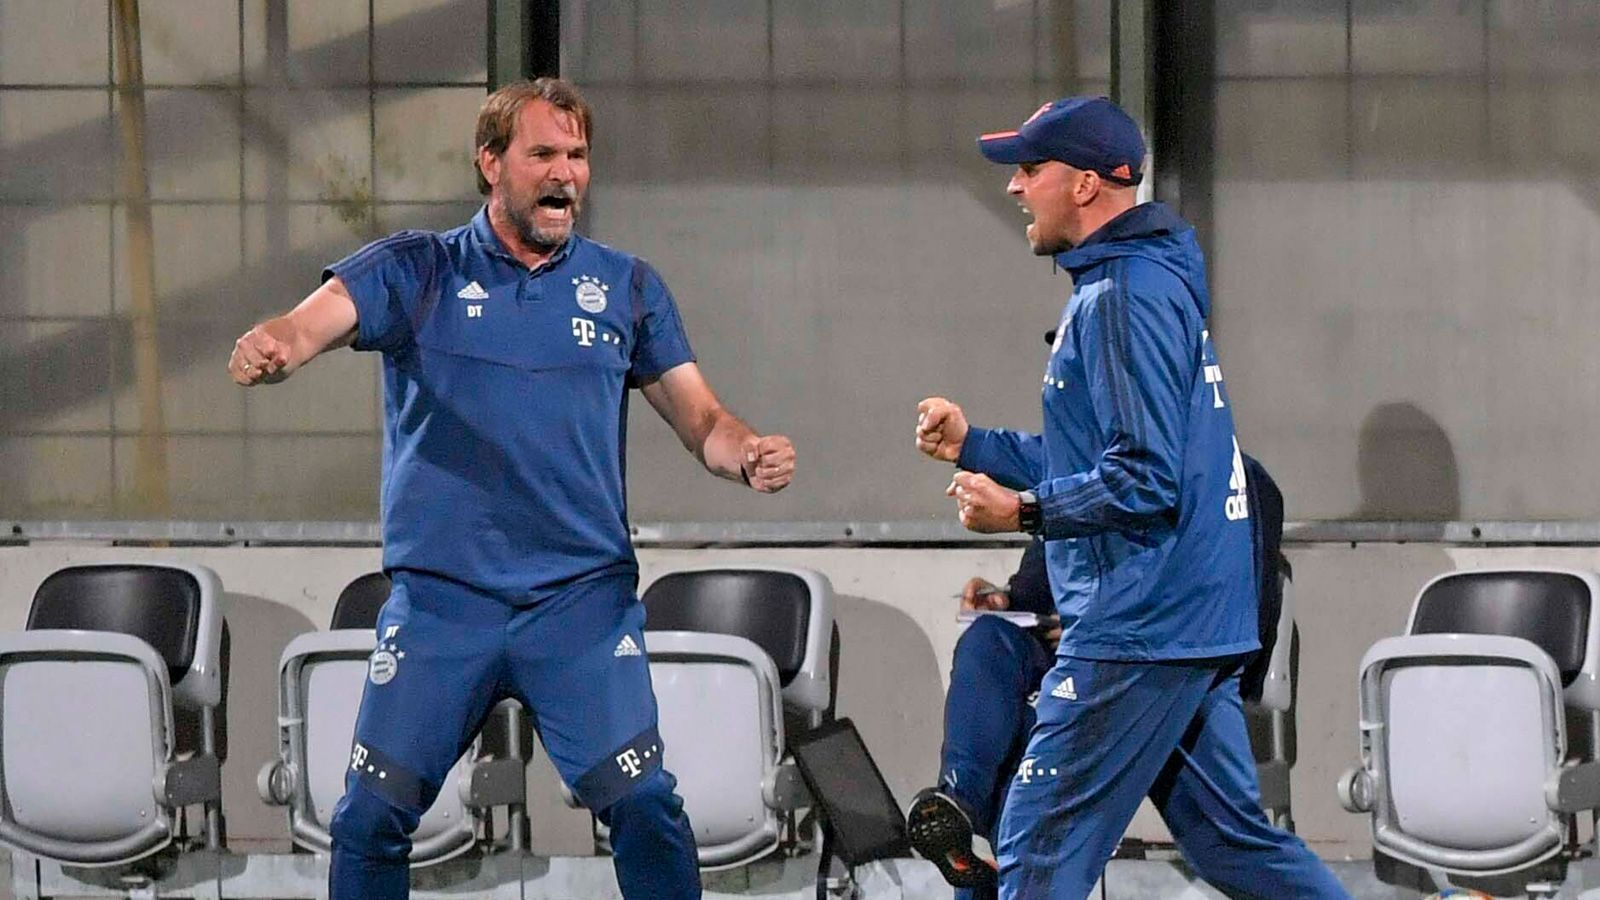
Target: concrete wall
(897, 618)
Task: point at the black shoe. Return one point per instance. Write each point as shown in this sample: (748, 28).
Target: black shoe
(942, 832)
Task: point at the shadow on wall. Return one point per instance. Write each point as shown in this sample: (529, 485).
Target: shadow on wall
(889, 685)
(1407, 467)
(261, 629)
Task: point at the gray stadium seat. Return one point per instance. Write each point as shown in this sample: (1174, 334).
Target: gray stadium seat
(1466, 768)
(93, 767)
(734, 650)
(320, 680)
(722, 724)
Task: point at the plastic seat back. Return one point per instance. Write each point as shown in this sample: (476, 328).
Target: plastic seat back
(787, 612)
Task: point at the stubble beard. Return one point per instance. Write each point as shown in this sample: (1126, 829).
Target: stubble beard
(1051, 245)
(529, 232)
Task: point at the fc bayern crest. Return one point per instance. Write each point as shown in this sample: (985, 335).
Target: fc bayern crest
(591, 293)
(382, 668)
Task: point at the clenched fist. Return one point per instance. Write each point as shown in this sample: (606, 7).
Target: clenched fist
(767, 462)
(941, 428)
(259, 356)
(984, 505)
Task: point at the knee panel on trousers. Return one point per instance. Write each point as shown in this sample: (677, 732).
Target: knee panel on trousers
(367, 825)
(652, 842)
(653, 798)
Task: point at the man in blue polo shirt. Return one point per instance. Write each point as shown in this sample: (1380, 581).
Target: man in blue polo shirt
(1139, 491)
(509, 345)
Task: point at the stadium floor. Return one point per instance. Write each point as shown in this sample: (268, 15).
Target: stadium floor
(266, 876)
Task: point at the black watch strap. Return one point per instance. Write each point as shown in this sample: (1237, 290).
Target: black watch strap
(1029, 517)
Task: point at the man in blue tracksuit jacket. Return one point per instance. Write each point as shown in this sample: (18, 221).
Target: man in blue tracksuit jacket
(1138, 488)
(995, 673)
(509, 346)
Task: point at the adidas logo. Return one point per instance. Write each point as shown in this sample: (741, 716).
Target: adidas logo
(473, 291)
(1065, 690)
(626, 647)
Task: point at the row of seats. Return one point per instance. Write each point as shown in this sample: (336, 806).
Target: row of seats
(1480, 725)
(98, 768)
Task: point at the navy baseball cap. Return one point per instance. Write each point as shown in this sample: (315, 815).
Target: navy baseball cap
(1090, 133)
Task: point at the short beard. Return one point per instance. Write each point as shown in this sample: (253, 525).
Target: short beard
(1043, 249)
(533, 236)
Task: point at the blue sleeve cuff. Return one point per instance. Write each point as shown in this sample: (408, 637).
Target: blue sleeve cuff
(369, 308)
(1074, 506)
(660, 341)
(386, 281)
(975, 451)
(660, 365)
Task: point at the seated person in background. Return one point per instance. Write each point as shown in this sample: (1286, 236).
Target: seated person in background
(988, 713)
(994, 683)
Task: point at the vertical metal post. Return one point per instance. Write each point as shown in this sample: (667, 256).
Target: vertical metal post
(150, 472)
(1130, 75)
(1063, 25)
(1594, 752)
(524, 40)
(215, 834)
(274, 142)
(1130, 57)
(1182, 103)
(505, 42)
(517, 813)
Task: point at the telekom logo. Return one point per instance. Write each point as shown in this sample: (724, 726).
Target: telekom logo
(628, 761)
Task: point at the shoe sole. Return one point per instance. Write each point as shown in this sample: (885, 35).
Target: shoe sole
(941, 833)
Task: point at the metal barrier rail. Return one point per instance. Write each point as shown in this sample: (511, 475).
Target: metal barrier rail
(941, 533)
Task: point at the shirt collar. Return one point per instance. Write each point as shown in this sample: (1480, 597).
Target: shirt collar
(491, 244)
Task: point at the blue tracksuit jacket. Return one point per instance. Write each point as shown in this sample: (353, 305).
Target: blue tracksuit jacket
(1138, 471)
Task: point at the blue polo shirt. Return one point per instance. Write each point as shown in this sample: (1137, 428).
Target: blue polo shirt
(506, 402)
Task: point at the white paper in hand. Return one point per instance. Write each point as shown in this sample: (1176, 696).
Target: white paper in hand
(1019, 619)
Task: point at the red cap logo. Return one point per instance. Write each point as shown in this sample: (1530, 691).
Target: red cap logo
(1039, 112)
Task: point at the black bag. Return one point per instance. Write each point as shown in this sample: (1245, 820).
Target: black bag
(1271, 567)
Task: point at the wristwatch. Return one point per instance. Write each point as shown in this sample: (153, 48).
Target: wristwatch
(1029, 518)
